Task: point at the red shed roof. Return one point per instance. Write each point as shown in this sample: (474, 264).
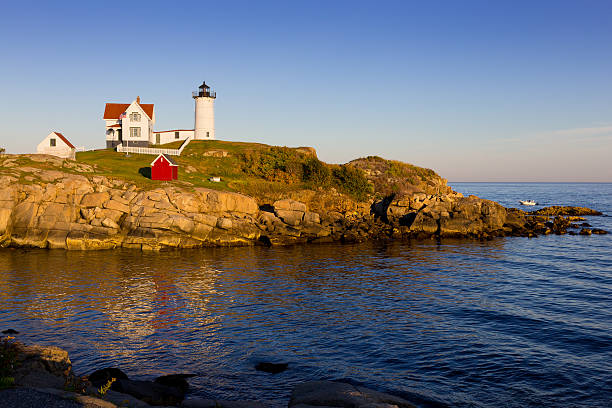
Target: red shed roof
(64, 139)
(114, 110)
(168, 158)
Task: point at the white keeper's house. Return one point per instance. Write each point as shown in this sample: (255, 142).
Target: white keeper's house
(56, 144)
(132, 124)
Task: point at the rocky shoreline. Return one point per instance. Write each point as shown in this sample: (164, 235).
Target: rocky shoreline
(43, 376)
(78, 212)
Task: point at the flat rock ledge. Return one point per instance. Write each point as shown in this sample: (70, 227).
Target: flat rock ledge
(74, 212)
(43, 377)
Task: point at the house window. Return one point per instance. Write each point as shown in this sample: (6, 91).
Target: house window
(135, 117)
(207, 134)
(176, 135)
(52, 142)
(134, 132)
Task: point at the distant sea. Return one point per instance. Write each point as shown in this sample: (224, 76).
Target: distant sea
(512, 322)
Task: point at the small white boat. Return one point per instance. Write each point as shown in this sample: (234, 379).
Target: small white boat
(527, 202)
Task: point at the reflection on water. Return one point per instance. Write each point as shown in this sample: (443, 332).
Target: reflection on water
(450, 324)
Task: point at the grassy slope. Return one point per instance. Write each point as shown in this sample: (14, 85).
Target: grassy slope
(194, 167)
(197, 164)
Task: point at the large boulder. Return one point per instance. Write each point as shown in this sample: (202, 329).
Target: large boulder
(150, 392)
(291, 212)
(338, 394)
(94, 199)
(40, 366)
(290, 205)
(222, 201)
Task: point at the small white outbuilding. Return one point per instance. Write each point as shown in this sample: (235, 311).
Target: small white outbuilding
(56, 144)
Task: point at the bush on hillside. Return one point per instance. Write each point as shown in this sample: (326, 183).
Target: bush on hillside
(274, 164)
(316, 172)
(352, 181)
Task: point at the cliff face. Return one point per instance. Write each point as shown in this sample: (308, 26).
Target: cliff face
(73, 211)
(47, 202)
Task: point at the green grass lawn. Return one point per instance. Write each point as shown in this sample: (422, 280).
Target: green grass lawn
(196, 166)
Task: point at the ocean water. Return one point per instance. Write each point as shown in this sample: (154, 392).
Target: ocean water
(512, 322)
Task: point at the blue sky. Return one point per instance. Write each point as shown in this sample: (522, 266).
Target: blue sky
(476, 90)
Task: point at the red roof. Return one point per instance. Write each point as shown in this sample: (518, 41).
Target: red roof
(115, 125)
(64, 139)
(169, 159)
(114, 110)
(173, 130)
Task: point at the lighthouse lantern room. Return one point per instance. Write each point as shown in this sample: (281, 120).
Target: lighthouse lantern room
(204, 112)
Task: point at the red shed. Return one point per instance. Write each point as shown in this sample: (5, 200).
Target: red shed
(164, 168)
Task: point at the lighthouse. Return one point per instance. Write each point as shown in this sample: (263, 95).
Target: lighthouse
(204, 112)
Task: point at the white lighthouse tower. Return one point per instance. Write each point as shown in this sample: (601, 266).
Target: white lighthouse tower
(204, 112)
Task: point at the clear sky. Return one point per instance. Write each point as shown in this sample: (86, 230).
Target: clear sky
(476, 90)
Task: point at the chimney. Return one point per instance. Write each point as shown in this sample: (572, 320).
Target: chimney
(138, 99)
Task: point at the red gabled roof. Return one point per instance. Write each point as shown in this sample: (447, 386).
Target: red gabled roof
(64, 139)
(114, 110)
(169, 159)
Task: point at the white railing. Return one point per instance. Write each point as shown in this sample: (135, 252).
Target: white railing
(185, 143)
(154, 150)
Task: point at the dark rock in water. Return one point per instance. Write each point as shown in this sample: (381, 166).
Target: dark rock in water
(599, 231)
(566, 210)
(101, 377)
(586, 231)
(585, 224)
(337, 394)
(560, 225)
(175, 380)
(10, 331)
(273, 368)
(150, 392)
(573, 233)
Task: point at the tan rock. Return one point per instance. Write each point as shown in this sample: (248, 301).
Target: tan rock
(223, 201)
(291, 205)
(290, 217)
(116, 205)
(57, 239)
(108, 213)
(186, 202)
(201, 231)
(424, 223)
(224, 223)
(311, 218)
(206, 219)
(94, 199)
(5, 216)
(182, 223)
(109, 223)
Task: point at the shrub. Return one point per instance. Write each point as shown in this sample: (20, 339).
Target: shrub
(316, 172)
(274, 164)
(352, 181)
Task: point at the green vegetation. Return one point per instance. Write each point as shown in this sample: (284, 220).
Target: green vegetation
(250, 168)
(352, 181)
(104, 389)
(264, 172)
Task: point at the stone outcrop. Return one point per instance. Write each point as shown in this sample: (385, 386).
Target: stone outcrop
(83, 212)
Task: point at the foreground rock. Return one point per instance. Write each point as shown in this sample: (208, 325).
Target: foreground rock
(336, 394)
(44, 373)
